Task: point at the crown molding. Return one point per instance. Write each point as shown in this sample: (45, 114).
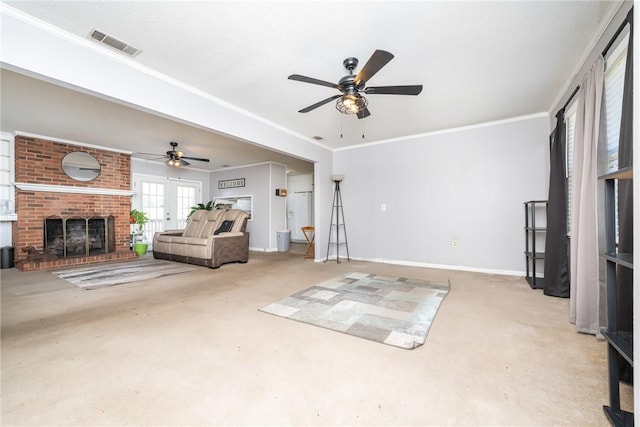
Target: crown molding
(446, 131)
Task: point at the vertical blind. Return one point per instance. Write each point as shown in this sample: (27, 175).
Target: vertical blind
(570, 127)
(612, 107)
(615, 66)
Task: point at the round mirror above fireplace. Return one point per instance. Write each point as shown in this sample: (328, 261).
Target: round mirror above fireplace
(81, 166)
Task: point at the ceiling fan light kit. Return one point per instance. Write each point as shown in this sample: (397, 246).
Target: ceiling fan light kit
(176, 163)
(351, 86)
(351, 103)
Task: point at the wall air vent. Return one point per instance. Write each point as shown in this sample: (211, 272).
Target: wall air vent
(113, 42)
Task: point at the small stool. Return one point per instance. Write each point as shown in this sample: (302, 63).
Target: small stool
(309, 234)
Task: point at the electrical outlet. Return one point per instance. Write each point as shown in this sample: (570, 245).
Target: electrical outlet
(454, 243)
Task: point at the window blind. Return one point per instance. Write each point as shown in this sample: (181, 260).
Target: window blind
(615, 65)
(570, 127)
(612, 105)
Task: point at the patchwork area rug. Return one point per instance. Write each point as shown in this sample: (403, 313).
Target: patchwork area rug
(392, 310)
(96, 276)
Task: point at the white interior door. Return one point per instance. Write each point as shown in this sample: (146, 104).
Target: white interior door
(166, 202)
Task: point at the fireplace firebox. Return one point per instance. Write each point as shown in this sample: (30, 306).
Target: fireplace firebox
(76, 236)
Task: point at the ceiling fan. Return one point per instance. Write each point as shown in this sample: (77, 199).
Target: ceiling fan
(176, 159)
(351, 86)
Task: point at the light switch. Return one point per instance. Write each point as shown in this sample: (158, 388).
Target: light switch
(383, 207)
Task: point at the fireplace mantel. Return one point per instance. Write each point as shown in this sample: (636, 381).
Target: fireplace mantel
(24, 186)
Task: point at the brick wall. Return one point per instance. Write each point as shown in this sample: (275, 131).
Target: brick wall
(39, 161)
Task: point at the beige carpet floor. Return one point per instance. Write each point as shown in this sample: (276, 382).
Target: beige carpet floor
(195, 351)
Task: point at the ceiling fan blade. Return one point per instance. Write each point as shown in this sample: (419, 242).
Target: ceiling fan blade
(319, 104)
(200, 159)
(149, 154)
(363, 113)
(379, 59)
(311, 80)
(154, 156)
(394, 90)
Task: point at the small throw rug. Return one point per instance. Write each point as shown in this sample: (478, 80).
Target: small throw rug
(392, 310)
(96, 276)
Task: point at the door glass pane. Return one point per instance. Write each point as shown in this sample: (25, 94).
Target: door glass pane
(186, 197)
(153, 205)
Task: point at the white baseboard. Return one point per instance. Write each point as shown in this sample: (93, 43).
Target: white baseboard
(440, 266)
(413, 264)
(263, 249)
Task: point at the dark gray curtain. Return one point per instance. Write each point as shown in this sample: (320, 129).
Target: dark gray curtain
(556, 259)
(625, 200)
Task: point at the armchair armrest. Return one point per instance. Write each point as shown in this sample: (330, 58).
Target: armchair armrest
(231, 248)
(228, 234)
(172, 232)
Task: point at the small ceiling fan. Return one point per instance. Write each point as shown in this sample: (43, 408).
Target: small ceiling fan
(176, 159)
(351, 86)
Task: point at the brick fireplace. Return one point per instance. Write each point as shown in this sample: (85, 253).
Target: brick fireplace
(43, 190)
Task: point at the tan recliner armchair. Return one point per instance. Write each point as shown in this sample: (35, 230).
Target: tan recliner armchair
(211, 238)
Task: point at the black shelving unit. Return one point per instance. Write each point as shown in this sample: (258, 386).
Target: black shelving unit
(532, 232)
(618, 342)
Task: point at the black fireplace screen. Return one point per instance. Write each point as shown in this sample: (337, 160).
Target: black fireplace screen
(79, 236)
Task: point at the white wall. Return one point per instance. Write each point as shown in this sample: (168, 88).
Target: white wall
(300, 183)
(269, 213)
(466, 184)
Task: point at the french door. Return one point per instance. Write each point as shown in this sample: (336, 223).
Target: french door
(166, 202)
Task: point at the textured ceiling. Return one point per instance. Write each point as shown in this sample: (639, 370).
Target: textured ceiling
(478, 61)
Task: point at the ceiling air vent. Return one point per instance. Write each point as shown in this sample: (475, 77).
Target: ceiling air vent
(114, 42)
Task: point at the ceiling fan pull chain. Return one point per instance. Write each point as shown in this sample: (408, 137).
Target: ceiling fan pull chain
(340, 126)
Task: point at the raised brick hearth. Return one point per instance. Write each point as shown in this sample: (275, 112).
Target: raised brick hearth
(43, 190)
